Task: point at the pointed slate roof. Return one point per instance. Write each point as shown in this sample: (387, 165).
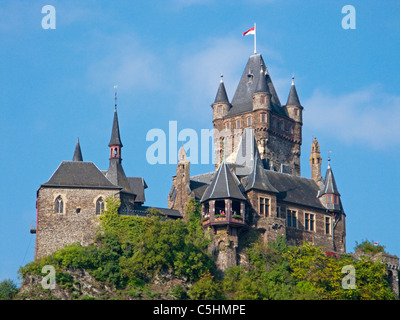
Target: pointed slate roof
(221, 93)
(330, 186)
(258, 179)
(262, 85)
(79, 174)
(115, 135)
(243, 99)
(117, 176)
(223, 186)
(77, 153)
(293, 98)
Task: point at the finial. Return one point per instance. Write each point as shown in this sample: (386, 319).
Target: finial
(329, 159)
(222, 77)
(293, 79)
(115, 89)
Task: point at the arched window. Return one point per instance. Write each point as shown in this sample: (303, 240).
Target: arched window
(99, 205)
(59, 205)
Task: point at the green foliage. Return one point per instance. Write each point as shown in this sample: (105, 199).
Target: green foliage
(369, 247)
(206, 289)
(8, 289)
(129, 251)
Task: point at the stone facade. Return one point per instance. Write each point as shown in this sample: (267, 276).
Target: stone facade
(77, 222)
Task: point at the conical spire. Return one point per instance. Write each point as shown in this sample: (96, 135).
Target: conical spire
(221, 94)
(258, 179)
(115, 135)
(262, 85)
(223, 186)
(330, 186)
(293, 99)
(77, 153)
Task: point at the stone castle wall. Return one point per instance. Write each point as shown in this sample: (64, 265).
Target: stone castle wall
(76, 224)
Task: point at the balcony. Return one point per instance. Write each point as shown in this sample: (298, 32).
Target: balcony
(220, 219)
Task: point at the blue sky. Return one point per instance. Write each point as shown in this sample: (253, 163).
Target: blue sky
(166, 58)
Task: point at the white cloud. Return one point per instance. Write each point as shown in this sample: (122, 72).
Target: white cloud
(368, 116)
(126, 62)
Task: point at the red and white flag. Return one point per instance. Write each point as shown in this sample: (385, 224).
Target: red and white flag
(250, 31)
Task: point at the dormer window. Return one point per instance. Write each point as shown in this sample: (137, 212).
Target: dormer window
(332, 199)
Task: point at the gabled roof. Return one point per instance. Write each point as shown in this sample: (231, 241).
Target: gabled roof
(223, 186)
(79, 174)
(243, 99)
(221, 93)
(293, 98)
(77, 153)
(295, 189)
(115, 135)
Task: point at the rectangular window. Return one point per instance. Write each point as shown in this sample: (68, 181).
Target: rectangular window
(263, 117)
(249, 121)
(291, 218)
(227, 126)
(263, 99)
(278, 212)
(238, 124)
(312, 222)
(306, 221)
(309, 221)
(327, 225)
(264, 206)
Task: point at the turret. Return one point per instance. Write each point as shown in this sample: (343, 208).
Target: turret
(330, 191)
(77, 153)
(315, 162)
(221, 103)
(293, 106)
(261, 95)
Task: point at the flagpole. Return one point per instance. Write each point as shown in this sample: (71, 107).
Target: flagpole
(255, 39)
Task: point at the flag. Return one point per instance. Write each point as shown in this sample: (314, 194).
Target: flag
(250, 31)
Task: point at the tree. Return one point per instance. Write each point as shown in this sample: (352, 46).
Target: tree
(8, 289)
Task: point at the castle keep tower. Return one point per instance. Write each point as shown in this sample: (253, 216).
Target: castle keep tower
(277, 127)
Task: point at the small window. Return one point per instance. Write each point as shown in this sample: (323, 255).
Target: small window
(238, 124)
(327, 225)
(291, 218)
(262, 99)
(227, 126)
(99, 205)
(249, 121)
(263, 118)
(59, 205)
(264, 206)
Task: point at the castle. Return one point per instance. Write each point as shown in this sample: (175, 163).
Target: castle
(75, 194)
(257, 182)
